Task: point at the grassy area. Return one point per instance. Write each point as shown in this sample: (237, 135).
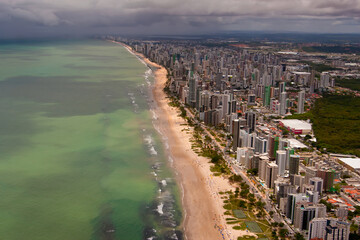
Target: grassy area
(253, 227)
(243, 207)
(247, 237)
(336, 123)
(239, 213)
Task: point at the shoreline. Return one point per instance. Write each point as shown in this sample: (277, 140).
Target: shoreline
(203, 212)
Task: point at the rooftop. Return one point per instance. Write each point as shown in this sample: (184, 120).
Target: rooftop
(296, 124)
(296, 144)
(352, 162)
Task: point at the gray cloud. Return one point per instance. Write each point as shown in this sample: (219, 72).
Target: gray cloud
(21, 17)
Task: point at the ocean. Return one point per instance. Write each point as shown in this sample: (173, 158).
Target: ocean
(80, 158)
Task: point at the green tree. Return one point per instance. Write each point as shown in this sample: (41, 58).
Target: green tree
(253, 171)
(299, 236)
(283, 232)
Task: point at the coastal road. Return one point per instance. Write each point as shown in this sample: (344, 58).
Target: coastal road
(269, 206)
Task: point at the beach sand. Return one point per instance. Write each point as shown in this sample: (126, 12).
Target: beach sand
(203, 207)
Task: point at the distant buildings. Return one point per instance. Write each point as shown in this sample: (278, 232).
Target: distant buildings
(328, 229)
(224, 87)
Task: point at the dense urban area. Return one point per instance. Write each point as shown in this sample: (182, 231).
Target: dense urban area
(281, 120)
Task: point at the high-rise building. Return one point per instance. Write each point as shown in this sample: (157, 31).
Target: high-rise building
(301, 100)
(271, 174)
(328, 229)
(317, 228)
(297, 180)
(218, 79)
(283, 143)
(313, 196)
(317, 183)
(235, 133)
(224, 101)
(289, 152)
(292, 199)
(263, 161)
(324, 80)
(192, 89)
(267, 94)
(271, 146)
(251, 99)
(305, 212)
(251, 120)
(328, 176)
(261, 145)
(342, 212)
(283, 103)
(281, 161)
(282, 87)
(282, 189)
(337, 230)
(310, 172)
(294, 162)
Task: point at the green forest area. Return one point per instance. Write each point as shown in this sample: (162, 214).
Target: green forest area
(336, 123)
(333, 49)
(352, 83)
(319, 67)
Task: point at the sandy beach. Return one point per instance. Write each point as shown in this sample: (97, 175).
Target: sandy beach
(203, 207)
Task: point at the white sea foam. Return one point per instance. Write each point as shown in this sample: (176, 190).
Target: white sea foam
(153, 151)
(160, 208)
(149, 140)
(150, 143)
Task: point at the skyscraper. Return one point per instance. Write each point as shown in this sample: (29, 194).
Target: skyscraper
(328, 229)
(261, 145)
(305, 212)
(236, 132)
(317, 183)
(292, 199)
(251, 120)
(283, 103)
(251, 99)
(267, 96)
(328, 176)
(192, 89)
(317, 228)
(294, 164)
(301, 99)
(271, 174)
(281, 161)
(282, 87)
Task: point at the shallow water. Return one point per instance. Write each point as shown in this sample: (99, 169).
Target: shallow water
(79, 157)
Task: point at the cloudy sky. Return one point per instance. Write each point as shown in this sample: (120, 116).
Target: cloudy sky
(28, 18)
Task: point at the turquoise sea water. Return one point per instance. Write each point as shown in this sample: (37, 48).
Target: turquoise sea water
(79, 157)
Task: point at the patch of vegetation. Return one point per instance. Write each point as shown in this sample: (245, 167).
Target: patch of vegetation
(247, 237)
(351, 83)
(333, 49)
(336, 123)
(319, 67)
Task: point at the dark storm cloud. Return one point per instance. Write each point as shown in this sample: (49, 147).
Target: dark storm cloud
(26, 17)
